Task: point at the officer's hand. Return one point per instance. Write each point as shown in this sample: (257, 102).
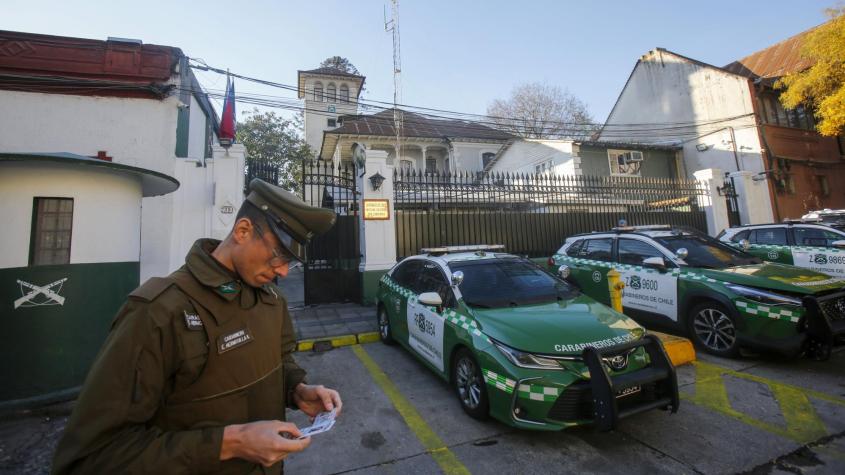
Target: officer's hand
(314, 399)
(264, 442)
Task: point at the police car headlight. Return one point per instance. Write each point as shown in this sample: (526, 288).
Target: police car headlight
(763, 296)
(527, 360)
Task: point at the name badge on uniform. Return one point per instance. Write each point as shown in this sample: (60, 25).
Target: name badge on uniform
(233, 340)
(192, 321)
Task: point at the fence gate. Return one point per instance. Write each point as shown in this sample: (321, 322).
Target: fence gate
(732, 205)
(331, 274)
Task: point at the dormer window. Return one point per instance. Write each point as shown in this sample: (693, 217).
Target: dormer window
(318, 92)
(344, 93)
(331, 92)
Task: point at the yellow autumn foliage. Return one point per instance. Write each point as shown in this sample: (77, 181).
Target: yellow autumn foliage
(823, 84)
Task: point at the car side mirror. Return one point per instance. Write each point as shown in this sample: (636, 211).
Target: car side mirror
(431, 299)
(457, 278)
(838, 244)
(655, 263)
(744, 244)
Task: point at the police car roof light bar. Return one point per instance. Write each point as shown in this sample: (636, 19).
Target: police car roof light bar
(650, 227)
(803, 220)
(454, 249)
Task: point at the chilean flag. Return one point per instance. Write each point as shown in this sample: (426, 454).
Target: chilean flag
(227, 121)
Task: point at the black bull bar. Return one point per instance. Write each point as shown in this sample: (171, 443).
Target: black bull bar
(605, 387)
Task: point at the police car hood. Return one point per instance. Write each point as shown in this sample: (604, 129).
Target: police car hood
(779, 277)
(563, 327)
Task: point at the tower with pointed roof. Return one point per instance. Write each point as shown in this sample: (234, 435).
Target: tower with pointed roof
(329, 94)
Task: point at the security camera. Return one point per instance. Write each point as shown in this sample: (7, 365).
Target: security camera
(182, 105)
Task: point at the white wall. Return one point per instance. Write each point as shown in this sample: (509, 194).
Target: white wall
(468, 154)
(317, 113)
(665, 88)
(523, 155)
(106, 211)
(137, 132)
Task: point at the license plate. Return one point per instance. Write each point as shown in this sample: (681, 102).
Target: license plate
(628, 391)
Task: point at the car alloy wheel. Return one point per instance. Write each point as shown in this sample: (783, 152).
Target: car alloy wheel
(714, 329)
(384, 332)
(470, 385)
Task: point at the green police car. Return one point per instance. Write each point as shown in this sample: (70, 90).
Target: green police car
(519, 344)
(806, 243)
(721, 297)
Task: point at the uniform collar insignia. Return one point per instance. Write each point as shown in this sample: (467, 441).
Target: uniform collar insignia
(228, 288)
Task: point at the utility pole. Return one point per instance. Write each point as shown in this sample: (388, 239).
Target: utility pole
(393, 26)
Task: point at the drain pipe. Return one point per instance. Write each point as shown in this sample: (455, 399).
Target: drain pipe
(733, 143)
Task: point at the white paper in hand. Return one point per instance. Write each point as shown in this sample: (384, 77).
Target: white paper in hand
(322, 423)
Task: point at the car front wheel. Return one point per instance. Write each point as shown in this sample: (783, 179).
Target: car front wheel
(469, 385)
(384, 332)
(713, 329)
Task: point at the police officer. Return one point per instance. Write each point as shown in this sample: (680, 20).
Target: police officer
(197, 370)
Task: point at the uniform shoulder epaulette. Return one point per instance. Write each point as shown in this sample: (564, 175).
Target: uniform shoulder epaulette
(151, 289)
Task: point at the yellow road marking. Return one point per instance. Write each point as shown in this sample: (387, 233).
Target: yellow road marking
(447, 461)
(802, 423)
(338, 341)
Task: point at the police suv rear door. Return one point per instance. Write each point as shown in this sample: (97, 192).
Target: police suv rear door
(589, 266)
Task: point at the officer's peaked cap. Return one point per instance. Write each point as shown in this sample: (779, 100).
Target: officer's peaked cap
(293, 221)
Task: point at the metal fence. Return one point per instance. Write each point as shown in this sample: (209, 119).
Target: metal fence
(267, 171)
(532, 214)
(331, 273)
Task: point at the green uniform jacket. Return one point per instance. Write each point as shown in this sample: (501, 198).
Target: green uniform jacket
(187, 355)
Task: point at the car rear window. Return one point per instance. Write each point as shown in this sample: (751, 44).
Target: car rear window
(495, 283)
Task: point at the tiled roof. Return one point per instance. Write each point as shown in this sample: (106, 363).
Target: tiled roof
(416, 125)
(775, 61)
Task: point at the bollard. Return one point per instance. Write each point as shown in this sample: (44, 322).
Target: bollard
(615, 285)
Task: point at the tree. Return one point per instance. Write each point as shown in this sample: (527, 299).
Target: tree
(536, 110)
(822, 85)
(274, 143)
(339, 62)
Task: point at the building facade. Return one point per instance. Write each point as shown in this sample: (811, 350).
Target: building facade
(729, 118)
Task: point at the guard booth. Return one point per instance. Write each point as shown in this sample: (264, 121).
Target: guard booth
(332, 272)
(71, 245)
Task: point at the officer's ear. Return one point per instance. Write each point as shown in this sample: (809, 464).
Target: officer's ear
(243, 230)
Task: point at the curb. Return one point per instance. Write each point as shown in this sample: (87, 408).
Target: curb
(323, 344)
(679, 350)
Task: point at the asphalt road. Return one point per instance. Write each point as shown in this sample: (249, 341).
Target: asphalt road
(757, 415)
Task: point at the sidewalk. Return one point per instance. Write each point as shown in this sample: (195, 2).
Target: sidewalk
(326, 321)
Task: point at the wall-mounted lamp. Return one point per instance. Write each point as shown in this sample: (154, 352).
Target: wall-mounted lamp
(376, 181)
(702, 147)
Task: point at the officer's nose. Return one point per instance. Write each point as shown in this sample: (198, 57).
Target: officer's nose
(282, 270)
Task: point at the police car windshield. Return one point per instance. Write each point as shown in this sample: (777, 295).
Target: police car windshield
(495, 283)
(704, 251)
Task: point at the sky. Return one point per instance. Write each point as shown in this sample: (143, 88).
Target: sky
(456, 55)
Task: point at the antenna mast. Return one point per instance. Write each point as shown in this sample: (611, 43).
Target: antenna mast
(393, 26)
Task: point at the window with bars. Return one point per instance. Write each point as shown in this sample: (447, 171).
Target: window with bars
(52, 223)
